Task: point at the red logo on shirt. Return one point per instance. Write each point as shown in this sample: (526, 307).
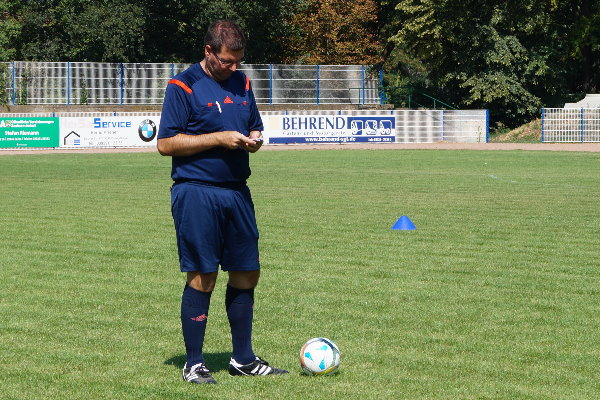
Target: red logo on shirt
(228, 100)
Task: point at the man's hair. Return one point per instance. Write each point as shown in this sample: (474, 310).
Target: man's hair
(225, 32)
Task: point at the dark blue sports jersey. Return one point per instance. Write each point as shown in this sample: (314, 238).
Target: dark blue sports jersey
(196, 104)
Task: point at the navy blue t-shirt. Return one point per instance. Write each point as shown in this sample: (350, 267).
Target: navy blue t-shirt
(196, 104)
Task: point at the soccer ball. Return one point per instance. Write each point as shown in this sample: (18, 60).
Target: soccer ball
(320, 356)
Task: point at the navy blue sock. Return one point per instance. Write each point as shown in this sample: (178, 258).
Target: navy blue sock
(240, 311)
(194, 316)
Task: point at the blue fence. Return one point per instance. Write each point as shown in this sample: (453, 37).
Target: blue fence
(69, 83)
(571, 125)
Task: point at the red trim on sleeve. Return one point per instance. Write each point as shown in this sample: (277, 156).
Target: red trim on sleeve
(181, 85)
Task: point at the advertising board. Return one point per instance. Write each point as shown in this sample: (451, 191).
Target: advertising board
(315, 128)
(29, 132)
(122, 131)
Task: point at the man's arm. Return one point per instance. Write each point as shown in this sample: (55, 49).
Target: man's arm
(183, 145)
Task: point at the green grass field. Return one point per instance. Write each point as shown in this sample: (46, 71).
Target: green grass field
(496, 295)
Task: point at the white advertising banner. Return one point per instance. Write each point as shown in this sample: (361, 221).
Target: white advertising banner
(320, 128)
(123, 131)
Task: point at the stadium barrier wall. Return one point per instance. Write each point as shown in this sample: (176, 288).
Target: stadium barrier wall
(69, 83)
(571, 125)
(376, 126)
(138, 129)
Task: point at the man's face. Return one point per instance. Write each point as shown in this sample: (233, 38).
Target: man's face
(220, 66)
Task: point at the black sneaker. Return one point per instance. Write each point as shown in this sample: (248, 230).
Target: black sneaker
(256, 367)
(197, 373)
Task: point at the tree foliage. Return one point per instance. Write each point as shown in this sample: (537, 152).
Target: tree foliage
(511, 57)
(336, 32)
(111, 30)
(135, 30)
(10, 29)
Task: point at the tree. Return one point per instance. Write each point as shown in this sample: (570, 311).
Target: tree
(480, 54)
(80, 30)
(137, 30)
(582, 18)
(41, 35)
(178, 28)
(510, 57)
(335, 32)
(109, 31)
(10, 28)
(267, 23)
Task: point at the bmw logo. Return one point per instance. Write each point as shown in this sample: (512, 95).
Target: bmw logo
(147, 130)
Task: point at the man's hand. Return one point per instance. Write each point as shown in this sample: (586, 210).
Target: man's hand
(257, 141)
(233, 140)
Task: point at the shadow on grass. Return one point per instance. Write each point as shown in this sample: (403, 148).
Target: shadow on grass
(214, 361)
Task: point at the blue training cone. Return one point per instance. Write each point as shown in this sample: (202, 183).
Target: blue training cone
(404, 223)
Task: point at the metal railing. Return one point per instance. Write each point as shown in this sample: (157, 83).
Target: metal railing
(407, 96)
(27, 82)
(571, 125)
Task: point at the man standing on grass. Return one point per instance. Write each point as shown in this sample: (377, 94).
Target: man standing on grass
(209, 125)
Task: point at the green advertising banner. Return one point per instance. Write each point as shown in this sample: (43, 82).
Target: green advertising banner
(29, 132)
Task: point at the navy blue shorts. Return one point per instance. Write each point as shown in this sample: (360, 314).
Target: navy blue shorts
(214, 226)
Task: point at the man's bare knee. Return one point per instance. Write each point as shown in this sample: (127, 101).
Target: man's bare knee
(202, 282)
(244, 279)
